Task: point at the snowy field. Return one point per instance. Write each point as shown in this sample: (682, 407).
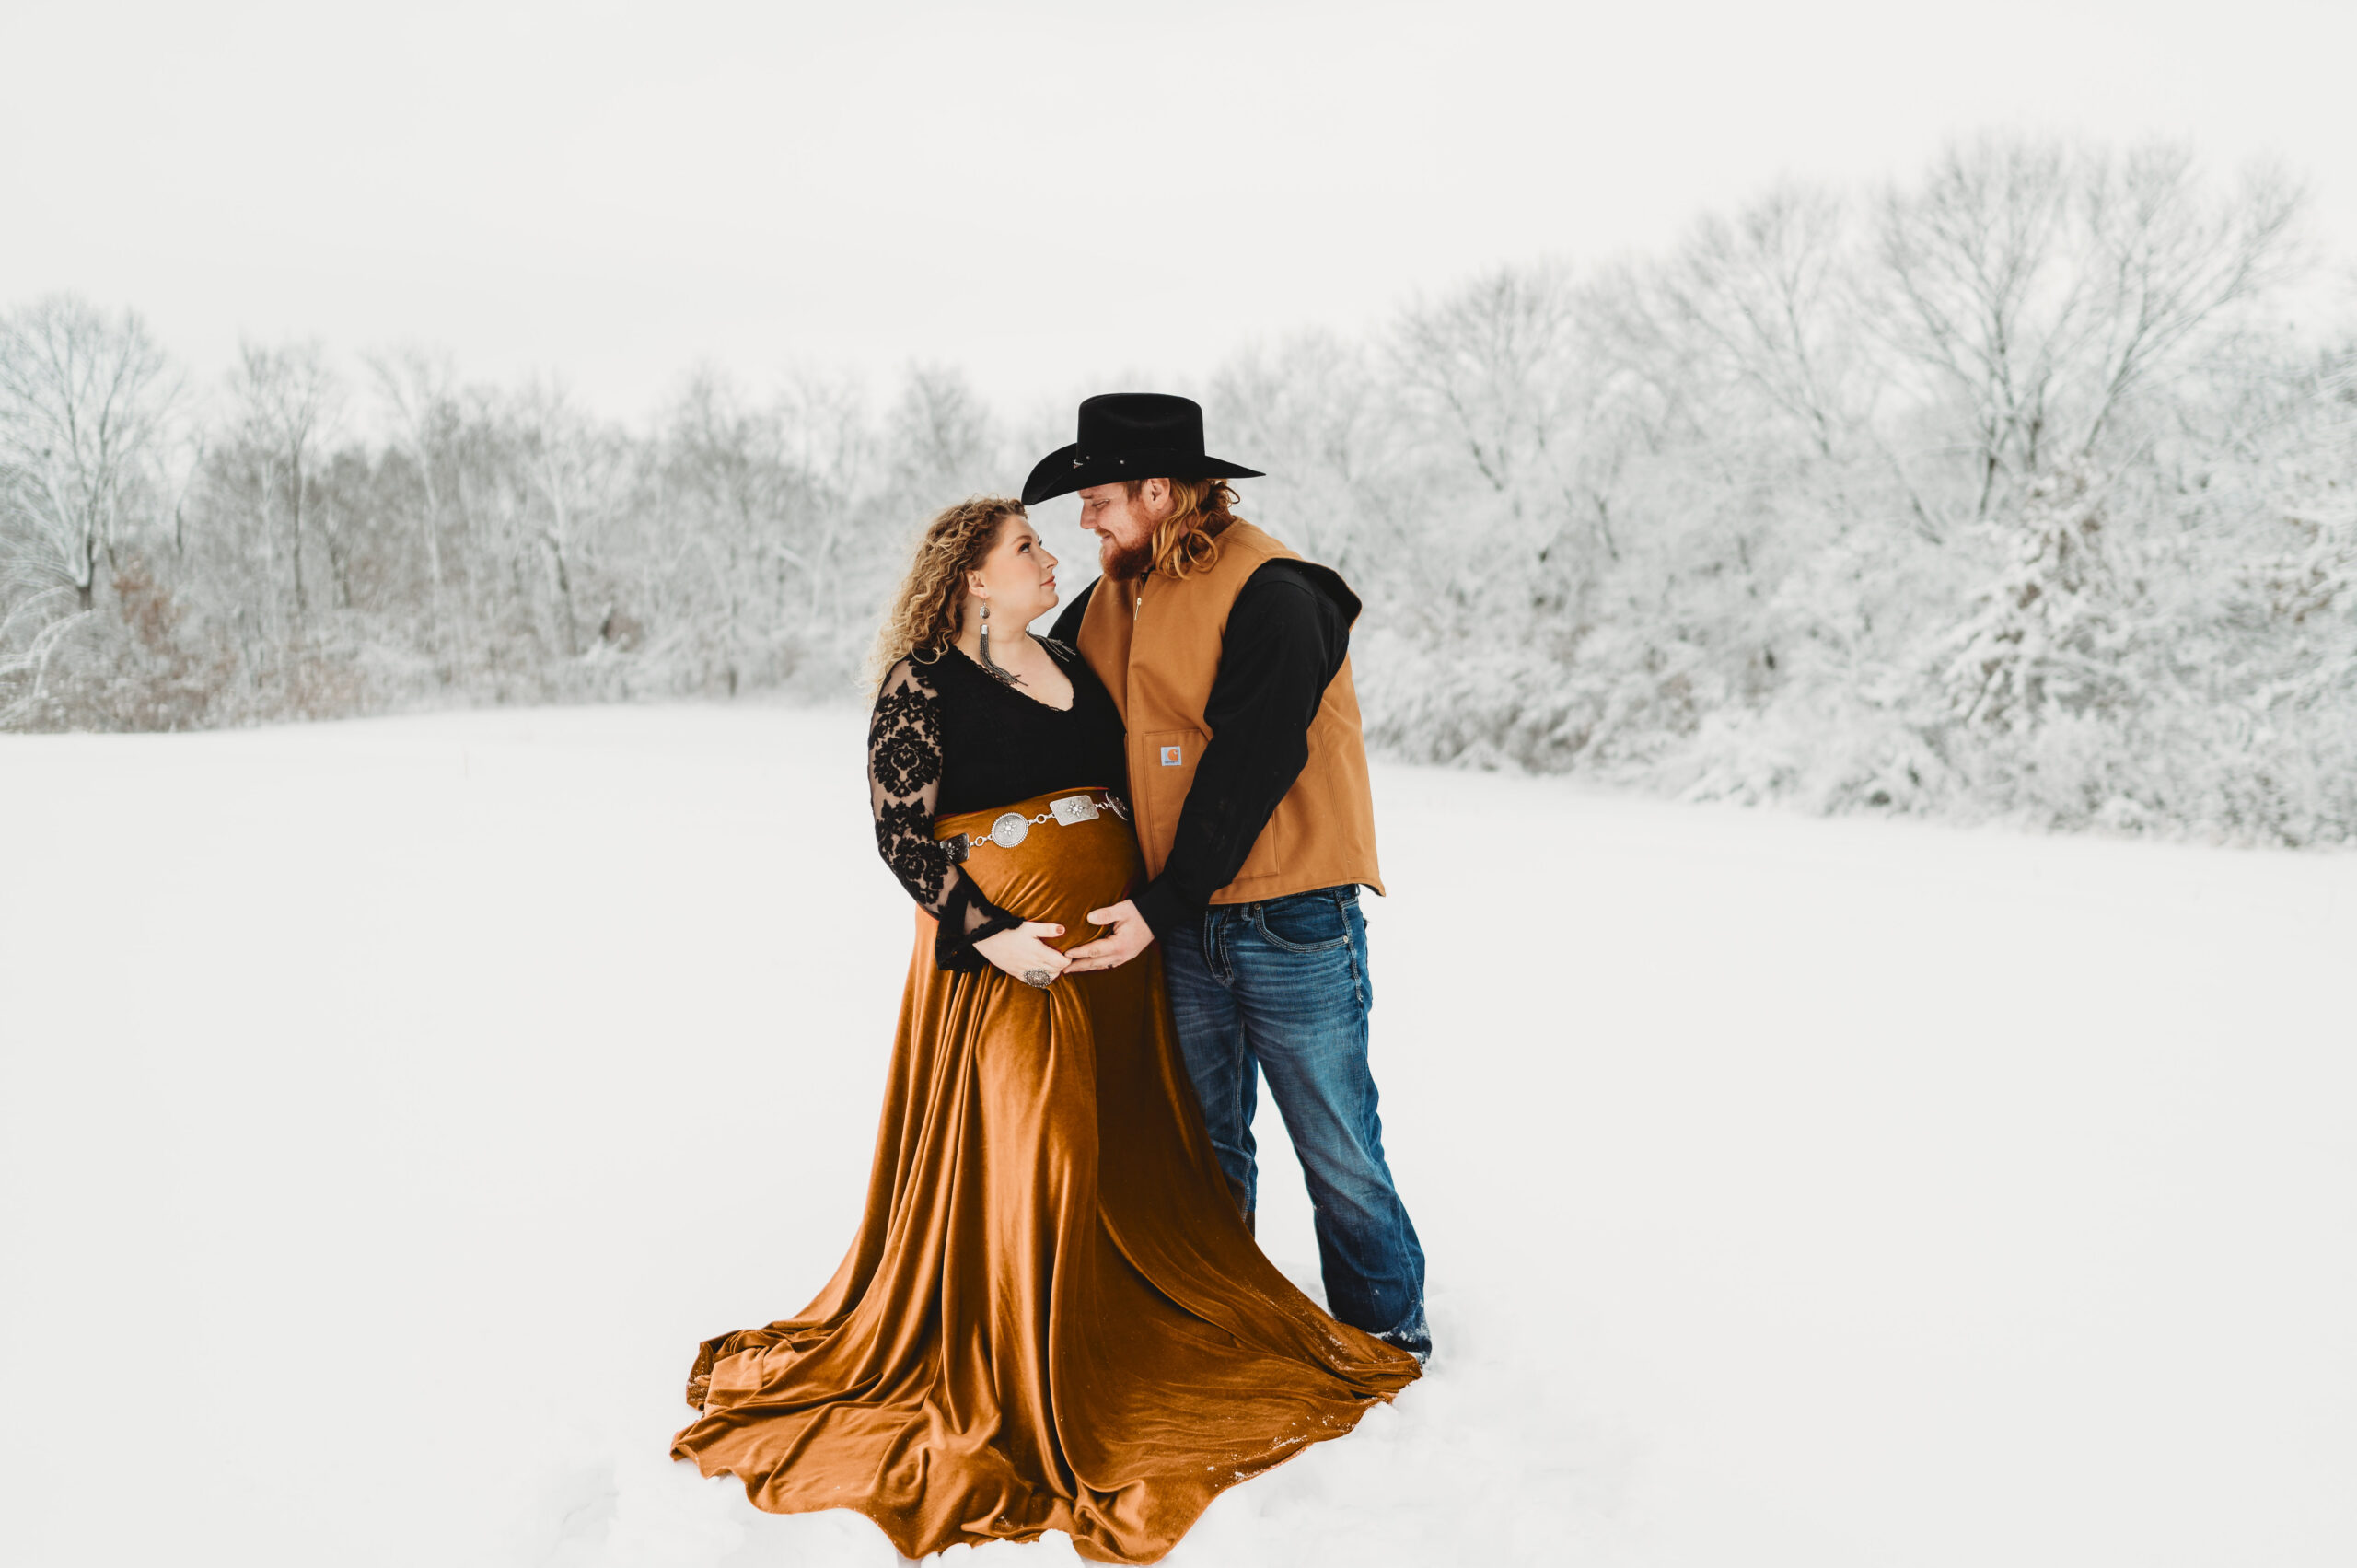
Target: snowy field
(389, 1109)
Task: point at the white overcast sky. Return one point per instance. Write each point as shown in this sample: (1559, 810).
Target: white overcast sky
(1055, 198)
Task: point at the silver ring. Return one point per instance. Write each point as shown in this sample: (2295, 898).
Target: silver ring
(1039, 978)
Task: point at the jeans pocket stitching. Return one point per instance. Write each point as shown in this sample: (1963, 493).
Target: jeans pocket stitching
(1260, 924)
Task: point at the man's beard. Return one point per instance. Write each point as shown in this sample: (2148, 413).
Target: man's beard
(1125, 564)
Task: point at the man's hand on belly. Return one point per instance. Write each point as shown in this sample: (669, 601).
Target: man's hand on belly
(1128, 937)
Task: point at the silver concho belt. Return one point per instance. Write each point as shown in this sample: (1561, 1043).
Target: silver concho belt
(1012, 828)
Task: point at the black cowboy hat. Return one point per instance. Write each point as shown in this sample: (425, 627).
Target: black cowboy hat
(1130, 436)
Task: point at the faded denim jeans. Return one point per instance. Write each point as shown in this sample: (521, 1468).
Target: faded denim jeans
(1282, 987)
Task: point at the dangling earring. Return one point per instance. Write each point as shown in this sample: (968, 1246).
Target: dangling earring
(1005, 677)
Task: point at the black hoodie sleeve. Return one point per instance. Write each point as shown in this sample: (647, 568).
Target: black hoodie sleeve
(1288, 634)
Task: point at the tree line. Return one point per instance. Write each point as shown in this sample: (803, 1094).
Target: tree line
(2012, 490)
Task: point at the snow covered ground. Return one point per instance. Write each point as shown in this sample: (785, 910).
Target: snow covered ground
(388, 1108)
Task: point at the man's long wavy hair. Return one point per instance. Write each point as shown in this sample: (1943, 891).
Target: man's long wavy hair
(923, 620)
(1187, 540)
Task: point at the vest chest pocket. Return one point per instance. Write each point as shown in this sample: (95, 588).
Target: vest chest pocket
(1162, 771)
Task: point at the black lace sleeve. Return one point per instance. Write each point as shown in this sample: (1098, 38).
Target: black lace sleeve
(903, 782)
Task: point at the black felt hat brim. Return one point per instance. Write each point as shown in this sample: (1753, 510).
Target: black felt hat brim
(1065, 470)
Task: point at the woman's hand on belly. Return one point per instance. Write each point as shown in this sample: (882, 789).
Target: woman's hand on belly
(1025, 954)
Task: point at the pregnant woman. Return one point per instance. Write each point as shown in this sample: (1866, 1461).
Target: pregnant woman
(1053, 1317)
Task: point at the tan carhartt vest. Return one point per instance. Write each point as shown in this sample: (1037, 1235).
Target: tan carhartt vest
(1156, 644)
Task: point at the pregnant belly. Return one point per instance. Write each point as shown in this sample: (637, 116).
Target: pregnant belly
(1048, 871)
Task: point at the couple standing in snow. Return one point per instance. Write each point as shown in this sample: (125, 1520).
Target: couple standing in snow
(1137, 847)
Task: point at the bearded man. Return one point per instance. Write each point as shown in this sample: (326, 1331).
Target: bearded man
(1229, 658)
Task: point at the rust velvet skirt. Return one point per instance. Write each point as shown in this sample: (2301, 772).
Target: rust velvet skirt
(1053, 1317)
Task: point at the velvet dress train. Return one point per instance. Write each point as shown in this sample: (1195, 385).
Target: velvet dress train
(1053, 1317)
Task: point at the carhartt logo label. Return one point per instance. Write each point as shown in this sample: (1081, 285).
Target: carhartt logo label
(1170, 756)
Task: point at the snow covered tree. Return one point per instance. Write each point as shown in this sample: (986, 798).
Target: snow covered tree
(84, 398)
(2047, 636)
(285, 400)
(2041, 288)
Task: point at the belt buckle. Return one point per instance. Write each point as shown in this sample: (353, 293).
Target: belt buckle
(1073, 808)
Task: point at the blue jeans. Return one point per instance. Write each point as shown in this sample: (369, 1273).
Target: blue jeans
(1281, 989)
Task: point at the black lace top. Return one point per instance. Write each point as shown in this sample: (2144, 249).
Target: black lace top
(946, 738)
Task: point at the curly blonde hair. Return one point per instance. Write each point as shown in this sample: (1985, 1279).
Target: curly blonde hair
(924, 618)
(1187, 540)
